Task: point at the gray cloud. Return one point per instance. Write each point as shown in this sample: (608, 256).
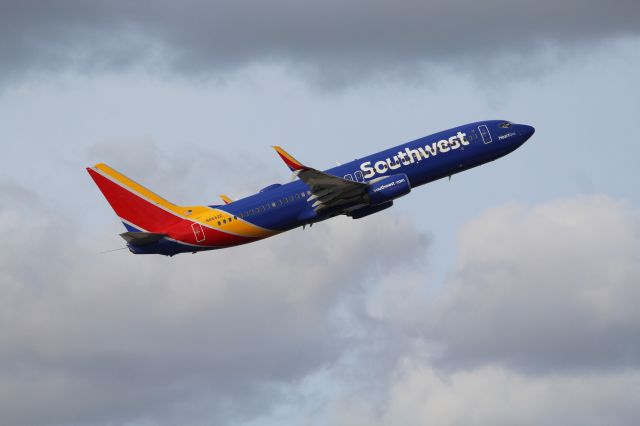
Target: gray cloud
(537, 324)
(539, 312)
(89, 338)
(421, 395)
(548, 288)
(334, 40)
(177, 173)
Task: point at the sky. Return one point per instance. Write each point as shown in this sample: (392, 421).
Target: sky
(507, 295)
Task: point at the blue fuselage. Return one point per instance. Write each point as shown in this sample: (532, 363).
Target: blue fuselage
(283, 207)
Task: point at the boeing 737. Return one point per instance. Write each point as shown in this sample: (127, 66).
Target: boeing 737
(357, 189)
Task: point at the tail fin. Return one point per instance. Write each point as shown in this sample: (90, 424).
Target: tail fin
(138, 208)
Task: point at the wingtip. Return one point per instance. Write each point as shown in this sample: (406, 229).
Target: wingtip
(292, 163)
(281, 152)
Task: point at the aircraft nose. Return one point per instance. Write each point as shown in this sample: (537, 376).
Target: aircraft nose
(527, 131)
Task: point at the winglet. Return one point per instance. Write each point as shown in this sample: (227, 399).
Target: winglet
(226, 199)
(292, 163)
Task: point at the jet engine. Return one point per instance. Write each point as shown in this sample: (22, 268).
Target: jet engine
(388, 188)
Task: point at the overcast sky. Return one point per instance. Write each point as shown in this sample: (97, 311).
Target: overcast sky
(505, 296)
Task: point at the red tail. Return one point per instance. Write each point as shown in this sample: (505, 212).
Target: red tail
(137, 206)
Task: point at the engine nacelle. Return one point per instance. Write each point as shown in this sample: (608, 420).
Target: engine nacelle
(368, 210)
(388, 188)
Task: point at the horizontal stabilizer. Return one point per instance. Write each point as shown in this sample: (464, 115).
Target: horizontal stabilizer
(141, 238)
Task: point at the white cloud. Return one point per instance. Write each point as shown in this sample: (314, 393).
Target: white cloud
(536, 325)
(90, 338)
(545, 287)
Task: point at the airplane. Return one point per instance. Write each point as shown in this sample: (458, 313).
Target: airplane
(356, 189)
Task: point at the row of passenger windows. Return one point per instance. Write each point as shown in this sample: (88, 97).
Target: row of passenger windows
(268, 206)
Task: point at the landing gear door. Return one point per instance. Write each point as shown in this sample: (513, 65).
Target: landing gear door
(484, 132)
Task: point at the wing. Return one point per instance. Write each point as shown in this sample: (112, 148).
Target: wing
(327, 191)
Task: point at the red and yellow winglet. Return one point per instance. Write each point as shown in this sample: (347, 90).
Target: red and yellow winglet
(226, 199)
(293, 164)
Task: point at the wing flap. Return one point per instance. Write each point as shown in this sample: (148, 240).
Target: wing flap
(327, 190)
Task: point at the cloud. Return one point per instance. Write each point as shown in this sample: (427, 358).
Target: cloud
(535, 321)
(536, 324)
(177, 174)
(335, 41)
(545, 288)
(90, 338)
(497, 396)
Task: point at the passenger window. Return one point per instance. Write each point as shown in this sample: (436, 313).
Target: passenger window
(297, 196)
(219, 223)
(290, 197)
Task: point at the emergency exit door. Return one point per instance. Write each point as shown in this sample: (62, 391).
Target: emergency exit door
(484, 132)
(198, 231)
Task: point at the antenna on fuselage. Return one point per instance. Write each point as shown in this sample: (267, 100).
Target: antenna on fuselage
(111, 251)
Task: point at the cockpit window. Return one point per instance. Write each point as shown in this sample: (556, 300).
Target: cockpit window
(505, 124)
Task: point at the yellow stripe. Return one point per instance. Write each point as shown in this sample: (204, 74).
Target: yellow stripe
(226, 199)
(232, 224)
